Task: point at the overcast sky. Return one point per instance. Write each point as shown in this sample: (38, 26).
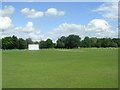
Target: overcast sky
(42, 20)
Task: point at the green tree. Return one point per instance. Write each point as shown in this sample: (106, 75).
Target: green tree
(105, 42)
(42, 44)
(93, 42)
(49, 43)
(7, 43)
(29, 41)
(86, 42)
(72, 41)
(15, 42)
(0, 43)
(99, 41)
(117, 41)
(22, 44)
(61, 42)
(36, 42)
(114, 44)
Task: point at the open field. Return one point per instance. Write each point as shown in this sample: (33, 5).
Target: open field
(60, 68)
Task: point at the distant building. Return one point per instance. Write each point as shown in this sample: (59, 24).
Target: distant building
(33, 47)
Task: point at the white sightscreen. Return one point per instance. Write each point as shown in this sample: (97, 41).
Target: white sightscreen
(33, 47)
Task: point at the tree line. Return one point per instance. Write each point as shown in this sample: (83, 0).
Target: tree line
(71, 41)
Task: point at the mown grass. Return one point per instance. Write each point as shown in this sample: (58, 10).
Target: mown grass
(60, 68)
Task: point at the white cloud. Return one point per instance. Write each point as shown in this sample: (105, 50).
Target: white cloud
(54, 12)
(32, 13)
(108, 10)
(66, 29)
(95, 28)
(5, 23)
(36, 36)
(30, 32)
(98, 25)
(7, 10)
(100, 28)
(27, 29)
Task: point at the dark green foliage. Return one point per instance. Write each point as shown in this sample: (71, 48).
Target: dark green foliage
(42, 44)
(72, 41)
(86, 42)
(36, 42)
(49, 43)
(61, 42)
(117, 41)
(15, 42)
(7, 43)
(22, 44)
(29, 41)
(0, 43)
(93, 42)
(46, 44)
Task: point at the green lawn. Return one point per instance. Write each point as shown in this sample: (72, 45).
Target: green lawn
(60, 68)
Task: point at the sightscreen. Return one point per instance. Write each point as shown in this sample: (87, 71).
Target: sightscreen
(33, 47)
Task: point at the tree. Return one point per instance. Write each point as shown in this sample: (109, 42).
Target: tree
(117, 41)
(93, 41)
(61, 42)
(114, 44)
(0, 43)
(36, 42)
(22, 44)
(15, 42)
(29, 41)
(7, 43)
(86, 42)
(72, 41)
(49, 43)
(99, 41)
(42, 44)
(105, 42)
(46, 44)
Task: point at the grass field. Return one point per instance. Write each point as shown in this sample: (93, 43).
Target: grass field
(60, 68)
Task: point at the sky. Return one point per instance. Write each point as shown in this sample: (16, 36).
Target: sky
(42, 20)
